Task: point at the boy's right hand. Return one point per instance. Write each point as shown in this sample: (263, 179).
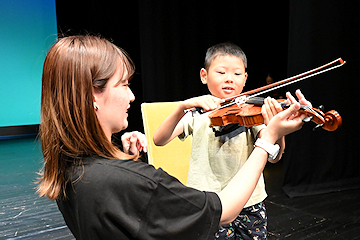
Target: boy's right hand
(172, 127)
(206, 102)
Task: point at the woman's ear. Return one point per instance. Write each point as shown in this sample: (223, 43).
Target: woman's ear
(203, 75)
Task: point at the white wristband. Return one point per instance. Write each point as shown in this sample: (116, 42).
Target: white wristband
(272, 150)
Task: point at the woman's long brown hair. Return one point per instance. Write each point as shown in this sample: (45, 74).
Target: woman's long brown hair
(69, 128)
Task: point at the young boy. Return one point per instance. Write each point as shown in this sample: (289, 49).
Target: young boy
(215, 159)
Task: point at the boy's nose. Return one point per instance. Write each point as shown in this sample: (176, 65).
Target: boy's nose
(229, 79)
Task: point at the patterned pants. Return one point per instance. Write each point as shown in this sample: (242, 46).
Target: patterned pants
(250, 224)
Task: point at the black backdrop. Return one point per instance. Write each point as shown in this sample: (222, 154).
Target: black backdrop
(322, 31)
(167, 41)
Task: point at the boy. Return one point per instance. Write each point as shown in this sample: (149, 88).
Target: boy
(215, 159)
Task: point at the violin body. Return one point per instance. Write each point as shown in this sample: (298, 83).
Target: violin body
(247, 115)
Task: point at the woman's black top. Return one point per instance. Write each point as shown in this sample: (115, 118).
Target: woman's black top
(126, 199)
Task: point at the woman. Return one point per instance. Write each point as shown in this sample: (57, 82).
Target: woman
(104, 193)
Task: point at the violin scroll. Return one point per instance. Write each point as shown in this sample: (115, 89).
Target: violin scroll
(333, 120)
(329, 121)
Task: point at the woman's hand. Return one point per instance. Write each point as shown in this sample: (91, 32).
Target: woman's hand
(271, 107)
(283, 123)
(301, 97)
(134, 142)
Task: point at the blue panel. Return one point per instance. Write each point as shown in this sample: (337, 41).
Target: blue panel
(27, 31)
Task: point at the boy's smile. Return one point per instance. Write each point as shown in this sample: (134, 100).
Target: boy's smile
(226, 76)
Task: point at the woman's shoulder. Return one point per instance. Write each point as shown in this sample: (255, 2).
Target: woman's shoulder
(96, 165)
(98, 175)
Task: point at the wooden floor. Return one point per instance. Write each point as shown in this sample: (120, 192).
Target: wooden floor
(23, 215)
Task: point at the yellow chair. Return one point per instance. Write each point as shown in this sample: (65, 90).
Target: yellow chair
(174, 157)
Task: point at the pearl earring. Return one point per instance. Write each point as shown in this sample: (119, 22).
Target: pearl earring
(96, 106)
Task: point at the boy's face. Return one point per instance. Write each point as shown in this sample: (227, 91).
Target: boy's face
(226, 76)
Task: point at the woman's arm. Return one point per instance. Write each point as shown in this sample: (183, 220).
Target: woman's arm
(270, 110)
(235, 195)
(274, 108)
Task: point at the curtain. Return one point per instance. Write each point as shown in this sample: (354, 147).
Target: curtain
(168, 39)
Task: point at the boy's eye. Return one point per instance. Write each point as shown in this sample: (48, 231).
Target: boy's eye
(221, 72)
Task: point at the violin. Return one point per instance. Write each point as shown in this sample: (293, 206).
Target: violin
(247, 112)
(245, 109)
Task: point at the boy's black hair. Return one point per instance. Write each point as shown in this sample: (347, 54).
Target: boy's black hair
(223, 49)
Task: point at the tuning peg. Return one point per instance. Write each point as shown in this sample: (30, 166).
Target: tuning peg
(317, 126)
(321, 108)
(307, 119)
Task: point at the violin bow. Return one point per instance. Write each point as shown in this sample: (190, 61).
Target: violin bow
(291, 80)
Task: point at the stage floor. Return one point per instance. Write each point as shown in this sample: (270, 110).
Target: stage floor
(23, 215)
(325, 216)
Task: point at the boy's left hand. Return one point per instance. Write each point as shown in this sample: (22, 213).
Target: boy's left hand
(134, 142)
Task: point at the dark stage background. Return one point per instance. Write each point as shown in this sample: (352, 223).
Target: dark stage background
(168, 39)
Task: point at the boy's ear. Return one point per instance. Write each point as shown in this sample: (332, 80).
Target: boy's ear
(246, 76)
(203, 75)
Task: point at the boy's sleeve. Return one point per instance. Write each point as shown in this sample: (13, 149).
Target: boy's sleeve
(255, 130)
(187, 121)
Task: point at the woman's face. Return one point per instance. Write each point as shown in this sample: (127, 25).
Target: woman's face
(113, 103)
